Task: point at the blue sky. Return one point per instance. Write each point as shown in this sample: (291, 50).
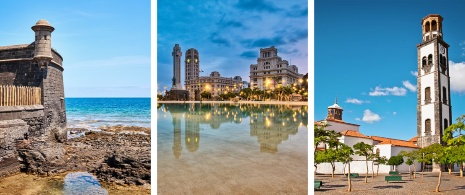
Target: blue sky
(105, 44)
(229, 34)
(365, 54)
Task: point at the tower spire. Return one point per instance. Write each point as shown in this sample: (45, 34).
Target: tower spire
(335, 100)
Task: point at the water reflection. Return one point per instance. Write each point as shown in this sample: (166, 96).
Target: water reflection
(270, 124)
(82, 183)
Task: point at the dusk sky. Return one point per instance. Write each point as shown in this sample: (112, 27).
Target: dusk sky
(229, 34)
(105, 45)
(366, 56)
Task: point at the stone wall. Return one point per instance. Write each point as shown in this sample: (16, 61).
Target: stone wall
(11, 131)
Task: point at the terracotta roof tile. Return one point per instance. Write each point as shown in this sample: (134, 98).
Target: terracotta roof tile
(414, 139)
(353, 133)
(394, 142)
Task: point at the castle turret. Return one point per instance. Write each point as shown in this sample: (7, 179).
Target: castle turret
(43, 39)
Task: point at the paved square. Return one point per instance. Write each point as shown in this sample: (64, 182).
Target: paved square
(450, 184)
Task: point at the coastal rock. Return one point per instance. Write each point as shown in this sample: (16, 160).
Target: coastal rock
(42, 157)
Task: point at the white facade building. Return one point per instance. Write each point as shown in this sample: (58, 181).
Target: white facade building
(271, 71)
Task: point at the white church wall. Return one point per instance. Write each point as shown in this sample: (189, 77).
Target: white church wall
(355, 167)
(351, 141)
(424, 52)
(427, 112)
(340, 127)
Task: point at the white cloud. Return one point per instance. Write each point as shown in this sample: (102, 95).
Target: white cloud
(394, 113)
(409, 86)
(457, 76)
(396, 91)
(414, 73)
(370, 117)
(357, 119)
(356, 101)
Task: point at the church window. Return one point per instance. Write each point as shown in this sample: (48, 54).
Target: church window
(423, 62)
(444, 95)
(428, 127)
(427, 95)
(377, 151)
(427, 27)
(434, 25)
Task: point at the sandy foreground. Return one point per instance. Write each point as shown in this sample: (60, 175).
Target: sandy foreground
(239, 102)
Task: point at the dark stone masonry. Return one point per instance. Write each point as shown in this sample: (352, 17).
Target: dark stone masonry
(32, 128)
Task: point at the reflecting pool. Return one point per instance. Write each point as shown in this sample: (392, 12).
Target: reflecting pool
(232, 149)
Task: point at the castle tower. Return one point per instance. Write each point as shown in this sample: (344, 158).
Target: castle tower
(43, 39)
(334, 112)
(433, 100)
(176, 67)
(192, 64)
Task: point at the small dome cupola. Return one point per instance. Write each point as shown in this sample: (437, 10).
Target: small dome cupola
(431, 27)
(334, 111)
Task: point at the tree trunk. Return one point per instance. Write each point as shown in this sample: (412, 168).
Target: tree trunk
(377, 170)
(372, 170)
(439, 181)
(348, 178)
(366, 176)
(450, 168)
(334, 168)
(414, 171)
(315, 170)
(409, 173)
(461, 169)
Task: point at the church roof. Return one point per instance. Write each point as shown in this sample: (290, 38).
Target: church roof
(335, 106)
(394, 142)
(353, 133)
(414, 139)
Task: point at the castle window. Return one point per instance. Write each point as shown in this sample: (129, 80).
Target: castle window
(428, 127)
(444, 95)
(434, 25)
(427, 95)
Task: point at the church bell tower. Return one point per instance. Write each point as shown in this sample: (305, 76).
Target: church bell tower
(434, 110)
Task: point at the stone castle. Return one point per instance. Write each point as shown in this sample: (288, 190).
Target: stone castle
(32, 100)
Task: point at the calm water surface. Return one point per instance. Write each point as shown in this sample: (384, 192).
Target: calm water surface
(232, 148)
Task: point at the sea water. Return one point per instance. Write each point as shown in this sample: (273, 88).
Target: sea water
(92, 113)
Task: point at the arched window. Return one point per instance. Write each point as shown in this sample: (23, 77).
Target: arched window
(444, 95)
(428, 127)
(377, 151)
(434, 25)
(423, 62)
(427, 27)
(427, 95)
(430, 59)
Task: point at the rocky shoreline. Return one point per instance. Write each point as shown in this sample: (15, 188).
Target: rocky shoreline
(116, 154)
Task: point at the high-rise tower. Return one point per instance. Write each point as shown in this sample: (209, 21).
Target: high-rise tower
(176, 67)
(192, 64)
(434, 110)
